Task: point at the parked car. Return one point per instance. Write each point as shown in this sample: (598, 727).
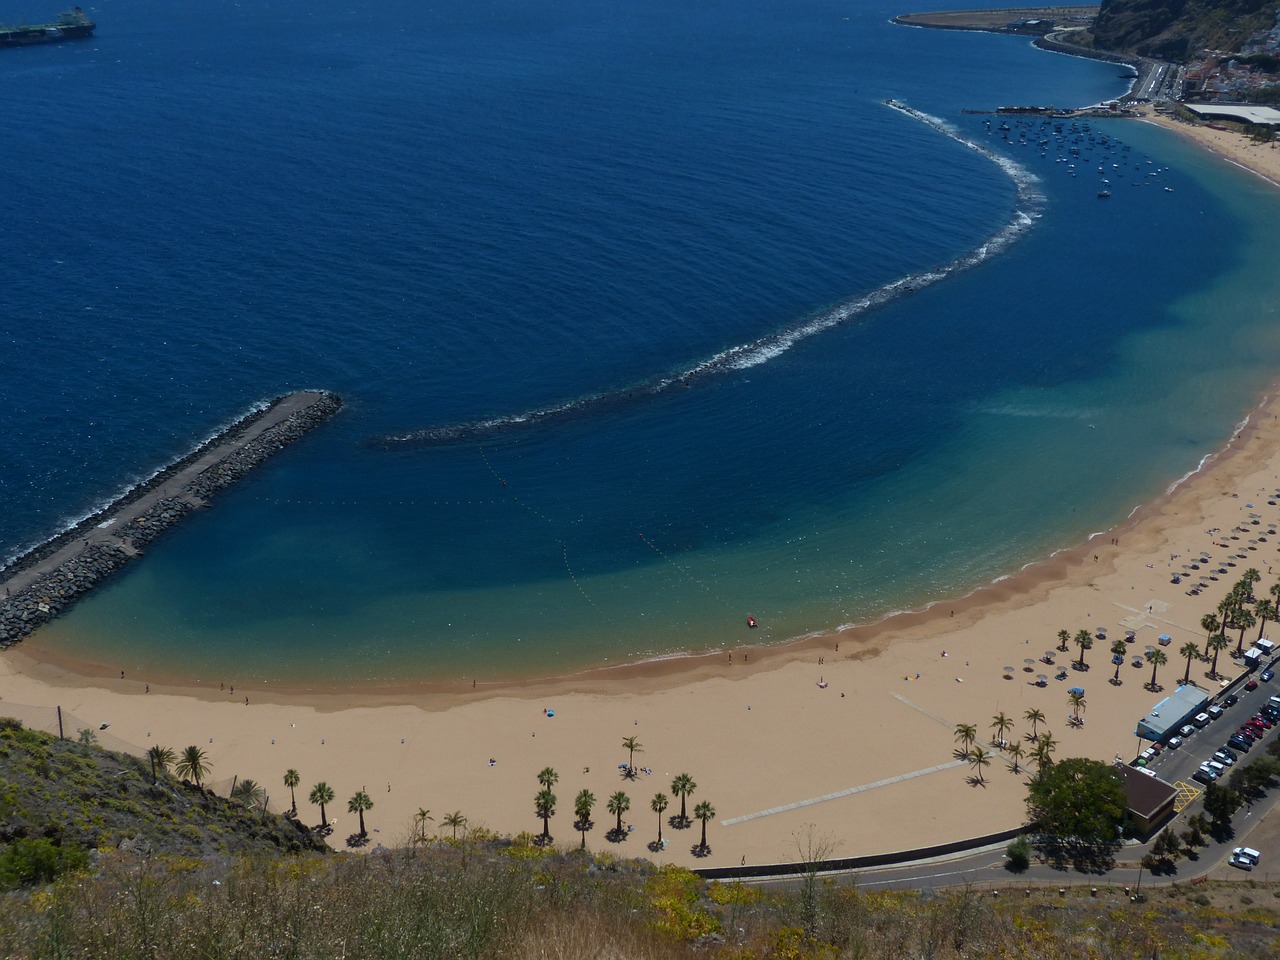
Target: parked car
(1247, 853)
(1225, 756)
(1231, 700)
(1174, 743)
(1252, 684)
(1201, 719)
(1186, 731)
(1240, 742)
(1267, 675)
(1204, 775)
(1215, 711)
(1240, 862)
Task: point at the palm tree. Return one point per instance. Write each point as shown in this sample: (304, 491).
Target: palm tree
(659, 805)
(1211, 625)
(192, 765)
(1064, 640)
(1250, 577)
(321, 794)
(1264, 610)
(1001, 725)
(420, 824)
(619, 803)
(1042, 753)
(1244, 620)
(454, 822)
(1083, 640)
(358, 804)
(1157, 659)
(1033, 716)
(544, 805)
(682, 786)
(979, 758)
(1118, 650)
(291, 780)
(161, 758)
(1217, 644)
(633, 747)
(249, 792)
(1076, 699)
(1190, 650)
(1017, 752)
(583, 804)
(966, 733)
(1275, 594)
(548, 777)
(704, 812)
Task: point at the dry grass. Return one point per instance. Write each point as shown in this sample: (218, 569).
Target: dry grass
(492, 900)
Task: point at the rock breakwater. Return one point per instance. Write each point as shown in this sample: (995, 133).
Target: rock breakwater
(49, 578)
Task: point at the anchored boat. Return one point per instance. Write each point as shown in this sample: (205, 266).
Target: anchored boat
(71, 25)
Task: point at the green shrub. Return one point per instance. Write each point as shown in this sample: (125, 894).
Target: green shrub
(27, 862)
(1019, 854)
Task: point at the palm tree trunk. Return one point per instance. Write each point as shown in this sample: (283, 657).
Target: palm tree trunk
(703, 845)
(323, 821)
(362, 831)
(619, 821)
(1117, 676)
(1154, 668)
(659, 828)
(1186, 677)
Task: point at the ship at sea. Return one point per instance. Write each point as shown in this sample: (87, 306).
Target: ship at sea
(69, 26)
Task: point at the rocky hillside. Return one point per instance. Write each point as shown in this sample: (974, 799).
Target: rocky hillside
(1178, 29)
(61, 799)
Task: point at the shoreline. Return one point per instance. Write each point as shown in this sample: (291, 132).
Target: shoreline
(802, 736)
(827, 733)
(1012, 590)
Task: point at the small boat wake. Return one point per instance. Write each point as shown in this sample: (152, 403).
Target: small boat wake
(1030, 203)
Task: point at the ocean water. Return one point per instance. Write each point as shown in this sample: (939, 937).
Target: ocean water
(648, 318)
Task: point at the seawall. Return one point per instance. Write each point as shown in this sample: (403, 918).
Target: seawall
(50, 577)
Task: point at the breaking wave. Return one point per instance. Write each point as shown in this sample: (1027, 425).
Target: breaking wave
(1030, 203)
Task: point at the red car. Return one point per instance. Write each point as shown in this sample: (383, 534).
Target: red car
(1252, 684)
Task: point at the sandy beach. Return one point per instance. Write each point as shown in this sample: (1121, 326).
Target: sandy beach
(848, 738)
(1261, 158)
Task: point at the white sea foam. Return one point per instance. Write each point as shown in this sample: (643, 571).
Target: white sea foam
(1030, 202)
(67, 523)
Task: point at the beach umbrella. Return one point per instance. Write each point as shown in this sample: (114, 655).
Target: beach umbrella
(1008, 673)
(1029, 664)
(1079, 690)
(1042, 679)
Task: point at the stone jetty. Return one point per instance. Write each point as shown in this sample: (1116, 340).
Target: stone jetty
(50, 577)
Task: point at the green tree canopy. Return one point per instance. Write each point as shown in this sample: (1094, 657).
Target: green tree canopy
(1078, 799)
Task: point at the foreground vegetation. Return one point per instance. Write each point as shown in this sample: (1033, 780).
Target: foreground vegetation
(487, 898)
(103, 855)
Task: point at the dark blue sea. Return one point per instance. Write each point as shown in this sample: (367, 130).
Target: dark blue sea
(647, 316)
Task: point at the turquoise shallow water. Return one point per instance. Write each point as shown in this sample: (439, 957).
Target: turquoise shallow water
(493, 212)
